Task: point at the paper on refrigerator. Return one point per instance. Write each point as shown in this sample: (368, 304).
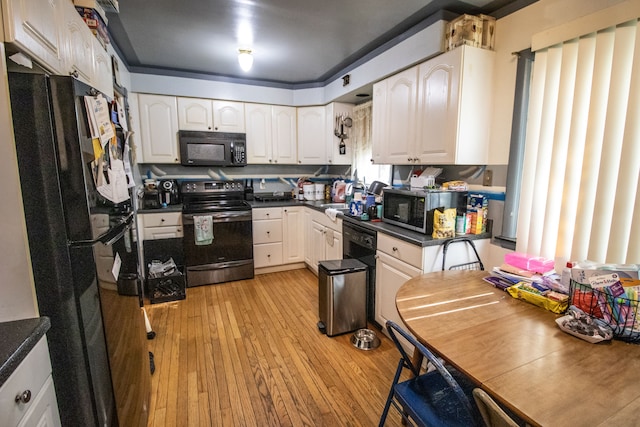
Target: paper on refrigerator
(99, 119)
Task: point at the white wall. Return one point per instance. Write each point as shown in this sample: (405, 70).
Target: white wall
(17, 292)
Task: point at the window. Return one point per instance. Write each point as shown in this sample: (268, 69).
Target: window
(364, 169)
(581, 166)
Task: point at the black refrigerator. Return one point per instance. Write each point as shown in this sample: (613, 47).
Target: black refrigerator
(97, 337)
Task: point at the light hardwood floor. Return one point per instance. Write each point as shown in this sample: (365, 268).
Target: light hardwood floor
(248, 353)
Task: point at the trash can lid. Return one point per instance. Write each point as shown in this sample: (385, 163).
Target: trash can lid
(341, 266)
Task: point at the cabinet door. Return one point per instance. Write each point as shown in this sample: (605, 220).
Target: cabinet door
(102, 73)
(228, 116)
(399, 118)
(293, 234)
(44, 411)
(317, 245)
(312, 145)
(33, 26)
(79, 44)
(378, 123)
(437, 109)
(267, 231)
(333, 245)
(284, 138)
(267, 255)
(195, 114)
(158, 128)
(258, 125)
(390, 275)
(308, 236)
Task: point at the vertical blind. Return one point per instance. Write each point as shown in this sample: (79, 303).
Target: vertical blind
(579, 196)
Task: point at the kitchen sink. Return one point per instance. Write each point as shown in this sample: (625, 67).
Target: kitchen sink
(335, 205)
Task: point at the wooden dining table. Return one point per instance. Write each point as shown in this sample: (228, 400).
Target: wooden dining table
(515, 351)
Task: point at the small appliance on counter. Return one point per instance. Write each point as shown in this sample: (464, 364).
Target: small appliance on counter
(169, 192)
(151, 195)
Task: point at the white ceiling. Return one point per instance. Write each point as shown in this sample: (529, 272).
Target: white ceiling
(295, 43)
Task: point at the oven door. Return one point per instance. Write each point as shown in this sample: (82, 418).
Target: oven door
(228, 257)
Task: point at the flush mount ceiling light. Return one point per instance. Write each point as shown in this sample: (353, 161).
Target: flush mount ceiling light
(245, 59)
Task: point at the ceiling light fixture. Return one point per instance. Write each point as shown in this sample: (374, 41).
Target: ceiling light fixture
(245, 59)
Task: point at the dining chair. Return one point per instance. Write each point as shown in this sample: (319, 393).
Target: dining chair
(476, 264)
(492, 414)
(433, 398)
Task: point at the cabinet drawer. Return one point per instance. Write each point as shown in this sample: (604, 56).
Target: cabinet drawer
(267, 213)
(267, 231)
(162, 219)
(30, 375)
(156, 233)
(400, 249)
(267, 255)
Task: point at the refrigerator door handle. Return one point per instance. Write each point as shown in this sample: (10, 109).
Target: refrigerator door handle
(110, 236)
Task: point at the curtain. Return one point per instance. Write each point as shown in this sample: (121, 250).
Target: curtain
(581, 168)
(362, 147)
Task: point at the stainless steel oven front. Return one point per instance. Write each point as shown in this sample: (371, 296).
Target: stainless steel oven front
(229, 256)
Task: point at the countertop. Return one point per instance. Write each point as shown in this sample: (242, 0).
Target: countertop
(17, 338)
(412, 237)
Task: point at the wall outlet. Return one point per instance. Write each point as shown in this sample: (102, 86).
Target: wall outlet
(487, 179)
(263, 184)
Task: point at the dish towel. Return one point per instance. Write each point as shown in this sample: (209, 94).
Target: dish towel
(331, 213)
(203, 229)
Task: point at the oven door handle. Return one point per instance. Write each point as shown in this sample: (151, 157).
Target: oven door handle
(231, 216)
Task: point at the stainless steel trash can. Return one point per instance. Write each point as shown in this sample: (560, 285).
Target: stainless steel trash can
(342, 296)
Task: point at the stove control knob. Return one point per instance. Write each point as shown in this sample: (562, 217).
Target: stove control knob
(226, 185)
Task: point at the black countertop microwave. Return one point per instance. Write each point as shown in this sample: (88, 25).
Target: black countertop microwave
(413, 209)
(198, 148)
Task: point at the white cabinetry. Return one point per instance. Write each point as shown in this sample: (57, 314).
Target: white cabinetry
(397, 261)
(271, 134)
(436, 112)
(165, 225)
(278, 236)
(79, 44)
(158, 128)
(228, 116)
(33, 26)
(293, 234)
(325, 239)
(267, 237)
(102, 74)
(312, 138)
(31, 381)
(195, 114)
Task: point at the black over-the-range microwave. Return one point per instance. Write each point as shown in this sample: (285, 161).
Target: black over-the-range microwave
(199, 148)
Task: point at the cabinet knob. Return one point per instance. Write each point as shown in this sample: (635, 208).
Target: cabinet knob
(268, 232)
(216, 128)
(209, 127)
(74, 73)
(270, 161)
(409, 159)
(395, 249)
(161, 219)
(268, 255)
(23, 397)
(267, 214)
(371, 160)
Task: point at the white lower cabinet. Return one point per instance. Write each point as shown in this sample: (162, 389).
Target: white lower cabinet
(278, 237)
(325, 239)
(32, 382)
(165, 225)
(397, 261)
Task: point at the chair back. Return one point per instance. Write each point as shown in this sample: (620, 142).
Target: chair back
(492, 414)
(395, 330)
(476, 264)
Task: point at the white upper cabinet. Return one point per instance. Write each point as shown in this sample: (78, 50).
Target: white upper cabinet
(394, 133)
(102, 74)
(228, 116)
(335, 155)
(437, 112)
(312, 139)
(33, 26)
(79, 44)
(271, 134)
(195, 114)
(158, 128)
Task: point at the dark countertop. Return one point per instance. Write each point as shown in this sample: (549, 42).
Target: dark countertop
(412, 237)
(17, 338)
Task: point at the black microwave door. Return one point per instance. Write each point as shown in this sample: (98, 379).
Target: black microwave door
(405, 209)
